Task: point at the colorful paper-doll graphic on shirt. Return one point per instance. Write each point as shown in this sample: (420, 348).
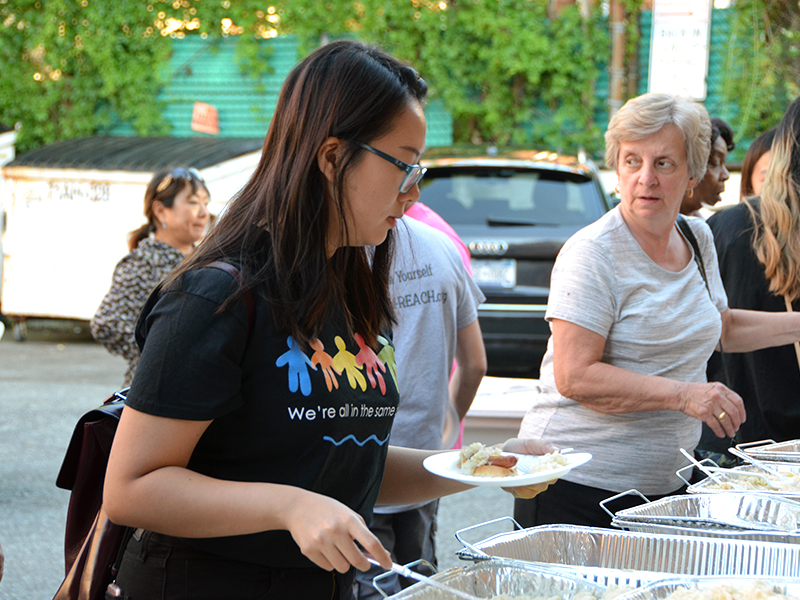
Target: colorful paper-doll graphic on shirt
(387, 356)
(298, 364)
(345, 362)
(372, 365)
(324, 360)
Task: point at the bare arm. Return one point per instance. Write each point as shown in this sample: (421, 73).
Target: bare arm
(582, 376)
(406, 481)
(148, 485)
(471, 360)
(748, 330)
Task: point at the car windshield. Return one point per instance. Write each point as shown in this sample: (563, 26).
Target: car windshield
(511, 197)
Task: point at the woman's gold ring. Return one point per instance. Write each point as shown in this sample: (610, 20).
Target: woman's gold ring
(722, 415)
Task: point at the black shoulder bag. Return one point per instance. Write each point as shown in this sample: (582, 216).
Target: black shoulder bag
(686, 229)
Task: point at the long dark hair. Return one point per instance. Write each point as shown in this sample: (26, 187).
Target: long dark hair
(277, 226)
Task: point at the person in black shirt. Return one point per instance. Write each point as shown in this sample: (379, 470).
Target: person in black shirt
(758, 244)
(254, 442)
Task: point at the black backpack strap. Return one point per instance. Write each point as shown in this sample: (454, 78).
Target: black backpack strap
(686, 229)
(248, 293)
(249, 301)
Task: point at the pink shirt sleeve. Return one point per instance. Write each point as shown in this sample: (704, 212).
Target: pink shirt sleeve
(426, 215)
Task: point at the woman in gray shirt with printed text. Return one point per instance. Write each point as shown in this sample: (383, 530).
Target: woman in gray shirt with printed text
(633, 324)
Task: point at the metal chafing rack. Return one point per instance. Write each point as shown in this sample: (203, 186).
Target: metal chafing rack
(627, 558)
(733, 515)
(770, 450)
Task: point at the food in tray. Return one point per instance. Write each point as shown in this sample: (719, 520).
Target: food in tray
(790, 482)
(578, 596)
(482, 461)
(612, 592)
(756, 590)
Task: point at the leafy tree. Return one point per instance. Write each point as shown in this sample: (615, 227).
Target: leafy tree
(508, 71)
(69, 66)
(763, 73)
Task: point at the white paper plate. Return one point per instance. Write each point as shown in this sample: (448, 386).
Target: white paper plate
(445, 464)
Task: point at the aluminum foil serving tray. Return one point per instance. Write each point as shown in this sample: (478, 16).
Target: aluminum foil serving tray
(611, 557)
(733, 515)
(770, 450)
(709, 486)
(497, 576)
(660, 590)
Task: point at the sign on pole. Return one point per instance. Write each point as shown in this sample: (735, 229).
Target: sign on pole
(679, 47)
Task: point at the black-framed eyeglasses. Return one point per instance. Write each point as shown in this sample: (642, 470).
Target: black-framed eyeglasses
(180, 174)
(413, 172)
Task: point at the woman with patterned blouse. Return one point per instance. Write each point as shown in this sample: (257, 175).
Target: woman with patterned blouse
(175, 205)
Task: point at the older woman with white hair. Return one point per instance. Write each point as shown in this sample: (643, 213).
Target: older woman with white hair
(636, 308)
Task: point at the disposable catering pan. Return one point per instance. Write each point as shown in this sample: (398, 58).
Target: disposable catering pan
(497, 576)
(755, 478)
(611, 557)
(660, 590)
(734, 515)
(771, 450)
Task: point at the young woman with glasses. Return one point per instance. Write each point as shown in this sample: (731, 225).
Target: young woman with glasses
(254, 443)
(175, 205)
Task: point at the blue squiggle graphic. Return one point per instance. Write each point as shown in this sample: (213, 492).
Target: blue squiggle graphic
(351, 437)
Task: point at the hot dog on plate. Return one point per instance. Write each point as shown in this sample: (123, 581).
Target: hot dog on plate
(480, 461)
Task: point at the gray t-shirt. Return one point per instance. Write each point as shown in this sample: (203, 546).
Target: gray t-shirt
(655, 322)
(434, 297)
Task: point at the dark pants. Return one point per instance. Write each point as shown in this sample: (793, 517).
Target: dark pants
(158, 567)
(574, 504)
(409, 536)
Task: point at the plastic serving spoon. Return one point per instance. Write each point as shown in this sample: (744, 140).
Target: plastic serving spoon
(700, 466)
(406, 572)
(760, 465)
(713, 472)
(756, 463)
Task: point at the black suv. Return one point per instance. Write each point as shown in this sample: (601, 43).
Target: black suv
(514, 209)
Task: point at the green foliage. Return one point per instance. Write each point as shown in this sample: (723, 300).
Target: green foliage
(70, 66)
(506, 71)
(763, 70)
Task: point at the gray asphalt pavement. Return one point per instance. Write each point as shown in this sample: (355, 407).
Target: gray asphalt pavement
(46, 384)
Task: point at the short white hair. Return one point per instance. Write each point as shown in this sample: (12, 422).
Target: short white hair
(646, 114)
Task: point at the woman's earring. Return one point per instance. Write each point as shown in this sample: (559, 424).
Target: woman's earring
(163, 225)
(690, 193)
(616, 188)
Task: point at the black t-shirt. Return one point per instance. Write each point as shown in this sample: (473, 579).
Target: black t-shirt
(317, 418)
(768, 380)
